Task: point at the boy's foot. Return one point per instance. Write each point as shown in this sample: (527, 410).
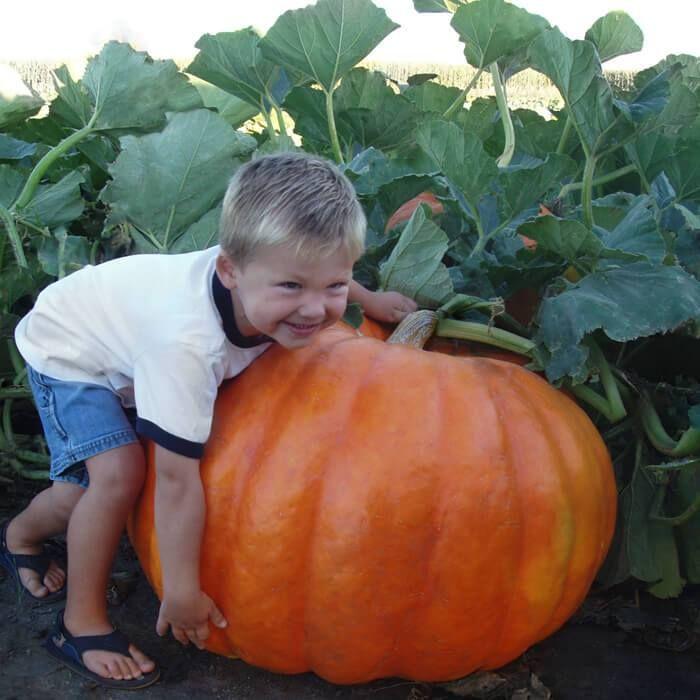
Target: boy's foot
(121, 665)
(33, 570)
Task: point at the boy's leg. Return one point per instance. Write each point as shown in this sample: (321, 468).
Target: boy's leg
(97, 522)
(46, 515)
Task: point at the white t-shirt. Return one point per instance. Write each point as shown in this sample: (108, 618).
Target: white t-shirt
(158, 330)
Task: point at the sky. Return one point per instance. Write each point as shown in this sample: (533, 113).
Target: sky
(55, 30)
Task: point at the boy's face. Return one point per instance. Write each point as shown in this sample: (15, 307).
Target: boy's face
(287, 297)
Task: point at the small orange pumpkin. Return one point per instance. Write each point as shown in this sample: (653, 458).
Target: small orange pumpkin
(375, 510)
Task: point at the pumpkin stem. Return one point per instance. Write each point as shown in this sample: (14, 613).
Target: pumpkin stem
(415, 330)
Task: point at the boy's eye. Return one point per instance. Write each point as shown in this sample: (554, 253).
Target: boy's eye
(339, 285)
(290, 285)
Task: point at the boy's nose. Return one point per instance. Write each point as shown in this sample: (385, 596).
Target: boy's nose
(313, 308)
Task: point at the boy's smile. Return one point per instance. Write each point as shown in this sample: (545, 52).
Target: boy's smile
(287, 297)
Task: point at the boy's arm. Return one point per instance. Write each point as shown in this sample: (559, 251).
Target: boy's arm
(179, 516)
(390, 307)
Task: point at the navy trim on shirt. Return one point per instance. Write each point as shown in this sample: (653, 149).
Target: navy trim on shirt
(169, 441)
(224, 304)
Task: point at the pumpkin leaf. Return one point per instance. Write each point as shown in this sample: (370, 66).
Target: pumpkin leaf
(415, 266)
(233, 61)
(568, 239)
(14, 149)
(123, 89)
(615, 34)
(460, 156)
(617, 302)
(371, 169)
(17, 101)
(11, 183)
(165, 182)
(62, 254)
(494, 29)
(326, 40)
(574, 67)
(57, 204)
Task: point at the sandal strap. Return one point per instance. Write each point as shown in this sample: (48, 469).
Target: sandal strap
(113, 641)
(36, 562)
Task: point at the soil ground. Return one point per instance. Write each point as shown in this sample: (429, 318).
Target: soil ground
(619, 646)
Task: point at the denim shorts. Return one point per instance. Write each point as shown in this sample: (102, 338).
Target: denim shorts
(80, 420)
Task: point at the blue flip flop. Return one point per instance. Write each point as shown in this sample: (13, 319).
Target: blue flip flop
(36, 562)
(69, 650)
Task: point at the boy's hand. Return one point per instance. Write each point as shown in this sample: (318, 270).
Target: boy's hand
(390, 307)
(188, 618)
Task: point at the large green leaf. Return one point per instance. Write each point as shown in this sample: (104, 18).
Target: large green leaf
(494, 29)
(14, 149)
(638, 233)
(370, 170)
(415, 266)
(567, 239)
(17, 101)
(124, 90)
(234, 62)
(165, 182)
(574, 67)
(202, 234)
(373, 112)
(524, 187)
(233, 109)
(616, 301)
(11, 183)
(460, 156)
(326, 40)
(61, 254)
(432, 97)
(615, 34)
(57, 204)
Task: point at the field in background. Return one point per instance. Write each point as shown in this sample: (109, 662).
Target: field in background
(528, 89)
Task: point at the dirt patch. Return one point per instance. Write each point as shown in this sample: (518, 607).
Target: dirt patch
(618, 647)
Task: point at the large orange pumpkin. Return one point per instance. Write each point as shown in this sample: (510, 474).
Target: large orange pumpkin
(375, 510)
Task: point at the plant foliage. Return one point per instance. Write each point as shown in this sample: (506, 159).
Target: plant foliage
(585, 224)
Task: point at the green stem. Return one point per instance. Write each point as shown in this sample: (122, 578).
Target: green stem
(15, 393)
(15, 240)
(36, 474)
(465, 302)
(612, 392)
(506, 120)
(270, 128)
(16, 359)
(33, 457)
(481, 333)
(280, 120)
(566, 132)
(48, 160)
(482, 237)
(461, 98)
(602, 180)
(688, 444)
(676, 520)
(331, 128)
(593, 399)
(587, 193)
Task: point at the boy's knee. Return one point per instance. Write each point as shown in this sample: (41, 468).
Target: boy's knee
(64, 497)
(120, 472)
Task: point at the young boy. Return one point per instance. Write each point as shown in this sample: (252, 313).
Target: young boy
(150, 338)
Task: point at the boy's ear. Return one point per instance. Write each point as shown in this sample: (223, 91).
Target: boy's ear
(226, 269)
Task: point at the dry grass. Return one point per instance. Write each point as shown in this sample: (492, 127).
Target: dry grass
(525, 90)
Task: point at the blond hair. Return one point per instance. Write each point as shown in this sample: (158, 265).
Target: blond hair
(293, 199)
